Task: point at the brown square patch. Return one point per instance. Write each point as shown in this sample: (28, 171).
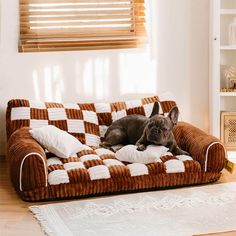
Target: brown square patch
(70, 159)
(150, 100)
(91, 163)
(136, 111)
(61, 124)
(55, 167)
(107, 156)
(16, 124)
(53, 105)
(74, 114)
(167, 105)
(79, 136)
(119, 171)
(87, 106)
(19, 103)
(192, 166)
(38, 114)
(104, 118)
(78, 175)
(167, 158)
(86, 152)
(118, 106)
(91, 128)
(156, 168)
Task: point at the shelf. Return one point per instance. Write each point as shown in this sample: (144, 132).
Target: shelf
(226, 47)
(228, 94)
(228, 11)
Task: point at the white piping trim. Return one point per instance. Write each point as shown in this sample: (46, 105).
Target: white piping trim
(22, 163)
(206, 159)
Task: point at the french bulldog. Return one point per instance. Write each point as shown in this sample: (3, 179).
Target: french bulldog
(142, 131)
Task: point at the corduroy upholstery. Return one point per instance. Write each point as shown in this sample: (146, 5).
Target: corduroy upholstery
(21, 145)
(31, 168)
(204, 148)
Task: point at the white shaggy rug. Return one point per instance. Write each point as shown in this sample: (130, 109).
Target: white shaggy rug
(179, 212)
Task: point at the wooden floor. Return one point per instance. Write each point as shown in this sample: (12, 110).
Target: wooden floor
(15, 218)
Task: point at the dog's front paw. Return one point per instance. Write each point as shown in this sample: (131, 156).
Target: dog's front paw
(186, 153)
(141, 147)
(182, 152)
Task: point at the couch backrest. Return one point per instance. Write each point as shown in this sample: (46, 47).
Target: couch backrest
(86, 121)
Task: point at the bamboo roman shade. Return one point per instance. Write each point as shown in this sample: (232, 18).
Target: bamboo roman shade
(63, 25)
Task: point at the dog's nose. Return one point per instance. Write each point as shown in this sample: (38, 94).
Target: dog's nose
(156, 131)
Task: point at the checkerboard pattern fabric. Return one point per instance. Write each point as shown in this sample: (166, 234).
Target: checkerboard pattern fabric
(98, 163)
(86, 121)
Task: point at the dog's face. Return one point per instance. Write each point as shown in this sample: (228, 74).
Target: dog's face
(159, 128)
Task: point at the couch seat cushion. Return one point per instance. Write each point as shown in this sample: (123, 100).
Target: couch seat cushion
(98, 163)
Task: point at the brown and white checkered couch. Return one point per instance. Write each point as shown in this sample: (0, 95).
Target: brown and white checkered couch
(38, 175)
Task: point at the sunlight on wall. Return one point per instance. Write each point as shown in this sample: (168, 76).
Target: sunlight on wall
(48, 84)
(101, 76)
(58, 84)
(88, 79)
(52, 81)
(137, 74)
(36, 85)
(139, 69)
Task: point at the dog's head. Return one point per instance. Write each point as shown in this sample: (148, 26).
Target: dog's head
(159, 128)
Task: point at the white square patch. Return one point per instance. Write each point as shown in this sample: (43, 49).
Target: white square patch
(99, 172)
(57, 114)
(133, 103)
(20, 113)
(89, 157)
(92, 140)
(112, 162)
(73, 165)
(90, 116)
(53, 161)
(120, 114)
(75, 126)
(102, 107)
(174, 166)
(102, 130)
(148, 109)
(184, 158)
(104, 151)
(38, 123)
(137, 169)
(71, 106)
(58, 177)
(37, 104)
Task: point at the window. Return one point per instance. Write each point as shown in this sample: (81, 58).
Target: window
(64, 25)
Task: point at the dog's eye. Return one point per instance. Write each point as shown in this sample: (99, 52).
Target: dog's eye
(164, 129)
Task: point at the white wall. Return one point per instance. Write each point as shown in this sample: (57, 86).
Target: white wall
(176, 60)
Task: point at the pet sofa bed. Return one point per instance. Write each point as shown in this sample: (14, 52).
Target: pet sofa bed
(39, 175)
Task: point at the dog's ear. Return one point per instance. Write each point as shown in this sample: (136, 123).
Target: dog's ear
(173, 115)
(155, 109)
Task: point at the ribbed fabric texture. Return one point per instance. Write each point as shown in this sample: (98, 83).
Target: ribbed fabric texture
(207, 152)
(204, 148)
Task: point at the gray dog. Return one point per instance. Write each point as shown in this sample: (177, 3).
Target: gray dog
(142, 131)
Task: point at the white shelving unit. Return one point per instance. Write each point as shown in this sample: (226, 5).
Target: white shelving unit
(222, 55)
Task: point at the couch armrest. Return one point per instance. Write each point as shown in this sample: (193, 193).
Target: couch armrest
(204, 148)
(27, 161)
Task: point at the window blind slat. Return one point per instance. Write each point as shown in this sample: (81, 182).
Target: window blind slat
(81, 24)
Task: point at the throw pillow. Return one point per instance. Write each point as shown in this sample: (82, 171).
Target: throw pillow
(129, 153)
(56, 141)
